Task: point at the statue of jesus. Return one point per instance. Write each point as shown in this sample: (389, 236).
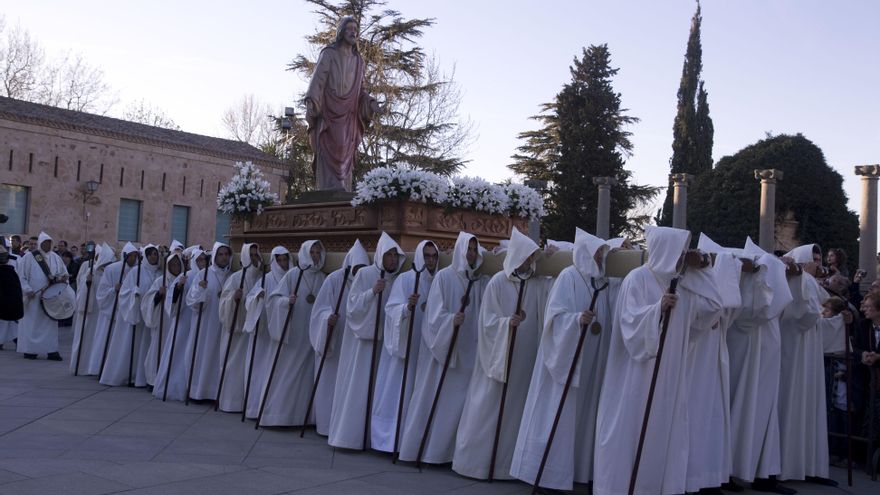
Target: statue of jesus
(338, 109)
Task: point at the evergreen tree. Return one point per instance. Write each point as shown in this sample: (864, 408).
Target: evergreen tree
(583, 137)
(692, 130)
(421, 127)
(727, 199)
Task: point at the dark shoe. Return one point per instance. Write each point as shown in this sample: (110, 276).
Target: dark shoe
(710, 491)
(1, 347)
(730, 486)
(54, 356)
(820, 481)
(771, 486)
(30, 356)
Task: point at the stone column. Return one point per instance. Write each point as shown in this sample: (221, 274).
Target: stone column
(680, 183)
(767, 229)
(868, 223)
(603, 213)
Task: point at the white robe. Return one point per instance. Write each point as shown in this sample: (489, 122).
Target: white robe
(208, 351)
(84, 333)
(263, 349)
(232, 394)
(479, 418)
(294, 374)
(444, 301)
(107, 297)
(396, 328)
(129, 325)
(37, 333)
(175, 345)
(348, 416)
(325, 305)
(571, 455)
(634, 346)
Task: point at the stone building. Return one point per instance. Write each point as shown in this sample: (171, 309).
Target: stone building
(81, 176)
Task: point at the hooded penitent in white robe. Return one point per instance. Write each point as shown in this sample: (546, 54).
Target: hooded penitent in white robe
(348, 416)
(261, 348)
(635, 340)
(129, 325)
(175, 360)
(153, 313)
(295, 373)
(709, 457)
(208, 351)
(802, 414)
(37, 333)
(444, 301)
(753, 343)
(232, 392)
(571, 455)
(479, 418)
(395, 342)
(325, 306)
(107, 297)
(85, 333)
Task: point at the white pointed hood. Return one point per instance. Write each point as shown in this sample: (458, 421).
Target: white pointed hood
(707, 245)
(104, 256)
(519, 249)
(216, 247)
(42, 238)
(170, 257)
(357, 255)
(175, 246)
(128, 248)
(802, 254)
(419, 255)
(304, 259)
(144, 255)
(459, 255)
(385, 244)
(274, 267)
(246, 260)
(194, 253)
(584, 257)
(753, 250)
(665, 247)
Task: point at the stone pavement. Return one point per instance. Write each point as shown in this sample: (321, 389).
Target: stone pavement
(61, 434)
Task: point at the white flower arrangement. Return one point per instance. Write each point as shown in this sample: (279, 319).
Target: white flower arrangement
(246, 193)
(401, 183)
(469, 193)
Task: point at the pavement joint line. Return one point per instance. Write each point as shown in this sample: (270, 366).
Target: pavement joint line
(50, 413)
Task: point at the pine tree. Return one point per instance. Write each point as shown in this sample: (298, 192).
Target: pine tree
(583, 136)
(692, 130)
(422, 127)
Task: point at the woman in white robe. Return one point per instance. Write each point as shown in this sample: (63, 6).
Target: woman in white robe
(498, 316)
(153, 313)
(37, 333)
(204, 296)
(348, 416)
(85, 333)
(323, 313)
(107, 295)
(635, 340)
(256, 326)
(383, 424)
(295, 372)
(571, 456)
(175, 360)
(441, 314)
(123, 365)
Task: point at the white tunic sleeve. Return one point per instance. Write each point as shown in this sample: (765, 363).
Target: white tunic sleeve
(361, 307)
(494, 327)
(397, 315)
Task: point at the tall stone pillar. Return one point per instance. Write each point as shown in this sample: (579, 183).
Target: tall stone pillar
(680, 183)
(767, 228)
(603, 213)
(868, 223)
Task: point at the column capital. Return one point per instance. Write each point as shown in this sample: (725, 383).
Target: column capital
(604, 181)
(768, 175)
(681, 179)
(868, 171)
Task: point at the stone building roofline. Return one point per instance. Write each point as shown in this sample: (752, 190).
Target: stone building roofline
(109, 127)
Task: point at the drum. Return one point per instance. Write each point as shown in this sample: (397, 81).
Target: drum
(58, 301)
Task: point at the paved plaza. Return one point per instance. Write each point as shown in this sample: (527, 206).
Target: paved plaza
(61, 434)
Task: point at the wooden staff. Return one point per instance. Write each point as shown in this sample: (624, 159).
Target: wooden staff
(250, 372)
(412, 318)
(174, 331)
(229, 339)
(134, 327)
(330, 328)
(373, 359)
(568, 380)
(161, 314)
(635, 472)
(192, 362)
(278, 349)
(112, 319)
(510, 346)
(82, 332)
(465, 300)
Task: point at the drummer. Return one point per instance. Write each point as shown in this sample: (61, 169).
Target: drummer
(38, 269)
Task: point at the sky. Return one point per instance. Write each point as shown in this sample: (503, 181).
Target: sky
(770, 66)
